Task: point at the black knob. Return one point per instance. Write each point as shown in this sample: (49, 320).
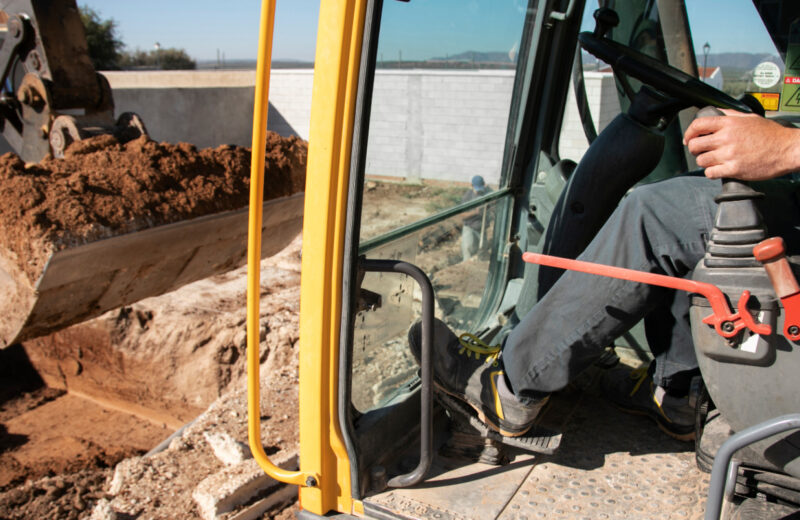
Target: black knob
(605, 18)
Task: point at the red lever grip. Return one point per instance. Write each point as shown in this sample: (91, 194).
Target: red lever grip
(772, 253)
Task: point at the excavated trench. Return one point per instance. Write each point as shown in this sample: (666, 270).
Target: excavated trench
(78, 401)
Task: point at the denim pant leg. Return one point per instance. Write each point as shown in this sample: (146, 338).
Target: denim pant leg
(659, 228)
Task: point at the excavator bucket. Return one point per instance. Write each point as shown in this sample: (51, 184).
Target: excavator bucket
(81, 282)
(94, 214)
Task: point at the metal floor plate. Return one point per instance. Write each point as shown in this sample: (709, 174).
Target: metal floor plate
(610, 465)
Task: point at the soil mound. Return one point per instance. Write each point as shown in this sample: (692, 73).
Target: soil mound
(104, 188)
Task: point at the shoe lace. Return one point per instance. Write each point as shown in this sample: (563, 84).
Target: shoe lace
(473, 345)
(640, 376)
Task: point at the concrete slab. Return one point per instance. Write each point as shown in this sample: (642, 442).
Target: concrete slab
(237, 486)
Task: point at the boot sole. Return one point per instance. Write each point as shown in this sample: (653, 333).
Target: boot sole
(683, 437)
(482, 415)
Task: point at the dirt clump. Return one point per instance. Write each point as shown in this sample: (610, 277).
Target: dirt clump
(66, 497)
(104, 187)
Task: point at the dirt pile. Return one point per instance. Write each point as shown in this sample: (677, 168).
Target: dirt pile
(104, 187)
(113, 223)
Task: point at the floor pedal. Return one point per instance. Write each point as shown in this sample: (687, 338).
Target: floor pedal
(537, 440)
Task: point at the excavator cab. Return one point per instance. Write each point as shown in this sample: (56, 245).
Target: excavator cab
(447, 141)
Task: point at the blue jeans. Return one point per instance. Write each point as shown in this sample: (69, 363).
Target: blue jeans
(661, 228)
(470, 242)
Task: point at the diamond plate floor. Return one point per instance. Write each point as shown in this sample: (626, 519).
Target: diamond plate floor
(610, 465)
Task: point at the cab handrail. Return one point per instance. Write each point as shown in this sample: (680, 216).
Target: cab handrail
(260, 111)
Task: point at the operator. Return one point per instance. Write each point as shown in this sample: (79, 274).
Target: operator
(660, 227)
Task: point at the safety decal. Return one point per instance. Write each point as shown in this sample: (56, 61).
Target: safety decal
(790, 93)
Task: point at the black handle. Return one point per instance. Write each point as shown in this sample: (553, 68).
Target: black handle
(426, 393)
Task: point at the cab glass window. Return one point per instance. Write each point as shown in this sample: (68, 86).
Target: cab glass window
(433, 190)
(741, 56)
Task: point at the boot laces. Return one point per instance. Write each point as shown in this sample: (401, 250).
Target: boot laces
(640, 376)
(472, 345)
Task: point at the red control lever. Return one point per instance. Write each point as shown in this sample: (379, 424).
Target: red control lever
(726, 323)
(772, 253)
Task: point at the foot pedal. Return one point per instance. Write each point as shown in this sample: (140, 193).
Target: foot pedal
(537, 440)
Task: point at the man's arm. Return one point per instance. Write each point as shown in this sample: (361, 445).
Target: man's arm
(743, 146)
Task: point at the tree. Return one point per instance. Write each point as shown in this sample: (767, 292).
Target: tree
(106, 50)
(171, 58)
(165, 59)
(101, 35)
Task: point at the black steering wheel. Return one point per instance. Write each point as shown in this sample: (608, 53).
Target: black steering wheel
(684, 89)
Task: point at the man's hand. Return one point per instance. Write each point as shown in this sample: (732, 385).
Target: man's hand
(743, 146)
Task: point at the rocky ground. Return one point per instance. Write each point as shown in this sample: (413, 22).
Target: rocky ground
(87, 406)
(162, 484)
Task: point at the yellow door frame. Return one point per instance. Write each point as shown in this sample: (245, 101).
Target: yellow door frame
(324, 476)
(336, 66)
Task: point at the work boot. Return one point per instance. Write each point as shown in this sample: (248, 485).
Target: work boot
(634, 391)
(472, 372)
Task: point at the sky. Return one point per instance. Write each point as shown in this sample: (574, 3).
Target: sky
(423, 29)
(727, 26)
(203, 28)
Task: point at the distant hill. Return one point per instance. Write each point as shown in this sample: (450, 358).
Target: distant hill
(734, 61)
(737, 60)
(726, 60)
(477, 57)
(251, 64)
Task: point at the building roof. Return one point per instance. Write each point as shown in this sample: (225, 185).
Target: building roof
(706, 72)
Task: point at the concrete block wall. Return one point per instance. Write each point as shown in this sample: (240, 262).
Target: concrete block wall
(444, 125)
(426, 124)
(209, 108)
(205, 108)
(290, 102)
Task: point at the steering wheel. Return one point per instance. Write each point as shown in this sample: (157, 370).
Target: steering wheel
(685, 89)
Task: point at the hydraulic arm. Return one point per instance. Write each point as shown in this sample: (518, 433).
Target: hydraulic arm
(51, 94)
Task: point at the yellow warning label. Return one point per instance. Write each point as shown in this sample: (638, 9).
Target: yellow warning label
(768, 100)
(790, 97)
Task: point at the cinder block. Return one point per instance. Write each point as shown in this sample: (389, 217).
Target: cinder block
(243, 487)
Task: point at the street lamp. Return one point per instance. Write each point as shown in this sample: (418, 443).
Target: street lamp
(706, 48)
(157, 48)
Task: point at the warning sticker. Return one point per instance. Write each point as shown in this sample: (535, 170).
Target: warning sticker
(768, 100)
(791, 98)
(766, 75)
(790, 93)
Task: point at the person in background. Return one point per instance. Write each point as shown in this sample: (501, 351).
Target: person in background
(473, 235)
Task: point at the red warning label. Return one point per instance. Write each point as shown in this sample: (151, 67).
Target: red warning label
(792, 80)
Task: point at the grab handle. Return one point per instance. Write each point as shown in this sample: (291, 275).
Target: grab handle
(426, 393)
(254, 255)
